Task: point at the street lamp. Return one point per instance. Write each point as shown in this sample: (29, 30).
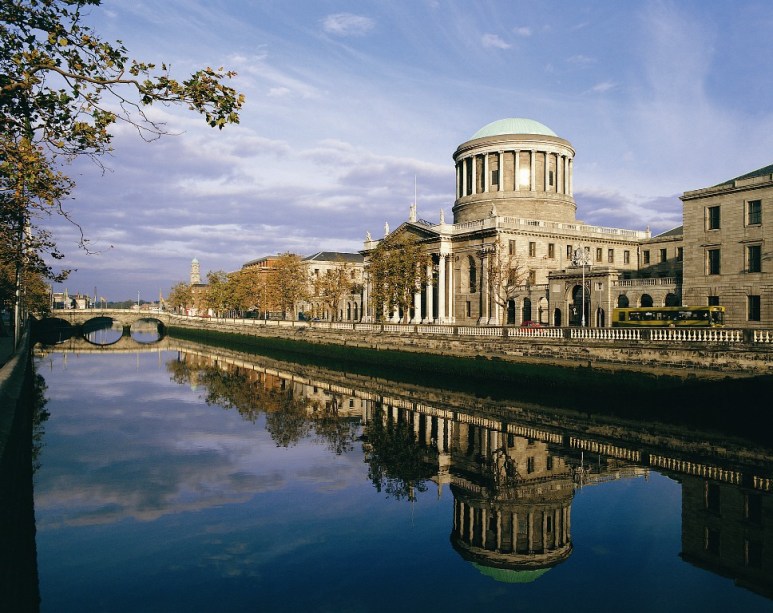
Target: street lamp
(580, 258)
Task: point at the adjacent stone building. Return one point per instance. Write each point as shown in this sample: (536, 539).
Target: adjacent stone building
(727, 248)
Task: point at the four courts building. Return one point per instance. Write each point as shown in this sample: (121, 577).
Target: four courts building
(515, 251)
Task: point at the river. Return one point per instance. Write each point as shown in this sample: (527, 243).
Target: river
(193, 478)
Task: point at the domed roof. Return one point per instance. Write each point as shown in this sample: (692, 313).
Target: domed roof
(513, 125)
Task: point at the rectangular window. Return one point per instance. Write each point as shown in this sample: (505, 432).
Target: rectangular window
(511, 247)
(679, 254)
(713, 300)
(469, 309)
(550, 177)
(611, 256)
(712, 497)
(645, 257)
(712, 218)
(663, 255)
(532, 249)
(754, 258)
(753, 508)
(712, 262)
(753, 553)
(711, 543)
(753, 303)
(599, 251)
(754, 212)
(532, 277)
(568, 252)
(626, 257)
(494, 177)
(530, 465)
(551, 251)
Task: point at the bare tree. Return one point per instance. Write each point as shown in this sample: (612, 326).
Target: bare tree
(506, 275)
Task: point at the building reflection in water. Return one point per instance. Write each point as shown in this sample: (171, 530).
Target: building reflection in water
(512, 472)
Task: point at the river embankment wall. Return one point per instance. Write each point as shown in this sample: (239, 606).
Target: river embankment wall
(703, 357)
(18, 578)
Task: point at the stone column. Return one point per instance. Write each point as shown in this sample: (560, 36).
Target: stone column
(458, 180)
(517, 184)
(451, 301)
(483, 527)
(564, 189)
(547, 170)
(464, 176)
(530, 532)
(416, 319)
(532, 170)
(484, 297)
(474, 174)
(485, 173)
(501, 171)
(514, 532)
(441, 289)
(430, 303)
(571, 182)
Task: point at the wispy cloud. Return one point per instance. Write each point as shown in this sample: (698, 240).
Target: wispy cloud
(581, 60)
(492, 41)
(603, 87)
(522, 31)
(347, 24)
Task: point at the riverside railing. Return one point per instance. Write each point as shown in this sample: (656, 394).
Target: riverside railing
(733, 336)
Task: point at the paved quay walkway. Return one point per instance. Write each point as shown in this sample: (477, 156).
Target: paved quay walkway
(6, 348)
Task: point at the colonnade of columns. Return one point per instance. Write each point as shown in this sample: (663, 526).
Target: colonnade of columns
(543, 529)
(467, 172)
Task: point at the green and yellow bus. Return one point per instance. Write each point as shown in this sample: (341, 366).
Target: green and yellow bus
(668, 317)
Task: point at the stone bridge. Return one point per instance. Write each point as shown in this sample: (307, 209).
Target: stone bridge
(125, 317)
(125, 344)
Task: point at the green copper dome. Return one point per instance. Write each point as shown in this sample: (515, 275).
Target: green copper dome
(504, 575)
(513, 125)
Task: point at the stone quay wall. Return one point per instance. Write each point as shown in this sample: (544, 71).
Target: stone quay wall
(729, 353)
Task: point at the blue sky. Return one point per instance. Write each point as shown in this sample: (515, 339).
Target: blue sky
(347, 102)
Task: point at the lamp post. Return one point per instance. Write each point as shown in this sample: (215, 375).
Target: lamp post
(580, 258)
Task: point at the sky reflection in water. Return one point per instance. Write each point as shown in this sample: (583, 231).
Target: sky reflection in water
(150, 499)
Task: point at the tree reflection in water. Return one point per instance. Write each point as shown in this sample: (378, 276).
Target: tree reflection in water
(397, 464)
(290, 415)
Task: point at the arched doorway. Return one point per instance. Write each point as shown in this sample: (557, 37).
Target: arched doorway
(543, 312)
(622, 301)
(600, 318)
(510, 312)
(557, 317)
(526, 309)
(646, 300)
(672, 300)
(577, 309)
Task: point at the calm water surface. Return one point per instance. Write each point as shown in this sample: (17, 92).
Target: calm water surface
(177, 481)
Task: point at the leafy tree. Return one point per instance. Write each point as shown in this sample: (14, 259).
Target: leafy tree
(218, 296)
(397, 271)
(335, 283)
(180, 296)
(288, 282)
(62, 89)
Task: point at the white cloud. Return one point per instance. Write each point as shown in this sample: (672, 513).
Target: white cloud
(580, 60)
(347, 24)
(492, 41)
(602, 87)
(522, 31)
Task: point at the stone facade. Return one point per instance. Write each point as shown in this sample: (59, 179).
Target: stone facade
(323, 262)
(727, 248)
(514, 202)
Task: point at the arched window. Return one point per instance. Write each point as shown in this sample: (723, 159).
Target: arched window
(510, 312)
(622, 301)
(473, 274)
(526, 309)
(646, 300)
